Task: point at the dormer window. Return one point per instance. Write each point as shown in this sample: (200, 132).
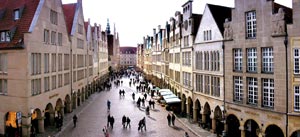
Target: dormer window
(5, 36)
(16, 14)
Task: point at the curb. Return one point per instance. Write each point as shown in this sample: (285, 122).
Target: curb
(183, 123)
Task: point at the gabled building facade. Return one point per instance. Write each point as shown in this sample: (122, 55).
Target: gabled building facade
(255, 79)
(208, 68)
(128, 57)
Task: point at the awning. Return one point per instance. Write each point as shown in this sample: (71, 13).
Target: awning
(166, 93)
(163, 90)
(172, 100)
(170, 96)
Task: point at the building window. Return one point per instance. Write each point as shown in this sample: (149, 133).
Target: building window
(5, 36)
(3, 87)
(66, 62)
(187, 79)
(17, 14)
(36, 63)
(268, 93)
(3, 63)
(35, 87)
(207, 85)
(53, 17)
(60, 80)
(47, 84)
(296, 98)
(252, 91)
(66, 78)
(46, 36)
(207, 35)
(53, 37)
(296, 61)
(251, 24)
(199, 83)
(238, 59)
(252, 60)
(53, 82)
(60, 62)
(238, 89)
(59, 38)
(46, 63)
(53, 62)
(80, 43)
(267, 59)
(215, 85)
(80, 29)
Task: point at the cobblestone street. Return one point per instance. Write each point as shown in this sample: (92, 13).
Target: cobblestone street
(92, 117)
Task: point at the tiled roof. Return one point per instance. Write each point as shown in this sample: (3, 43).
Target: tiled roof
(131, 50)
(220, 18)
(69, 12)
(17, 28)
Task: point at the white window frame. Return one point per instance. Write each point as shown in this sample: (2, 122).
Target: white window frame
(3, 86)
(251, 24)
(17, 14)
(238, 59)
(238, 88)
(252, 60)
(252, 90)
(267, 60)
(297, 98)
(296, 53)
(268, 92)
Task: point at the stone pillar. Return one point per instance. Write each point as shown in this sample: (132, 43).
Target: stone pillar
(195, 116)
(52, 120)
(69, 109)
(243, 133)
(41, 125)
(213, 125)
(74, 102)
(26, 124)
(188, 108)
(204, 118)
(182, 105)
(62, 112)
(261, 134)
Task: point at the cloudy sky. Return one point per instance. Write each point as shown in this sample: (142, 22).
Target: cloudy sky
(137, 18)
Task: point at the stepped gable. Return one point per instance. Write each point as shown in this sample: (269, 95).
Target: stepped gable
(69, 12)
(18, 27)
(219, 14)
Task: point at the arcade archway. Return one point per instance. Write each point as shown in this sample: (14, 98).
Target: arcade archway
(49, 116)
(233, 126)
(207, 121)
(197, 114)
(218, 119)
(273, 130)
(251, 128)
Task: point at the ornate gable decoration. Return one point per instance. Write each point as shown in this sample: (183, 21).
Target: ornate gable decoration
(278, 23)
(228, 32)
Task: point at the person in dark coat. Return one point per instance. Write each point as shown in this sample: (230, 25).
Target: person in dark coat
(173, 119)
(169, 119)
(123, 121)
(128, 122)
(74, 120)
(112, 121)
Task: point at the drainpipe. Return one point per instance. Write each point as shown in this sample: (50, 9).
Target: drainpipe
(224, 134)
(286, 84)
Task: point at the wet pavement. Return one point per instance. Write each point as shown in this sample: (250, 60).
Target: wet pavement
(92, 117)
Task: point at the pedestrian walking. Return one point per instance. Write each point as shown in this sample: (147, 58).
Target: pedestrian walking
(112, 121)
(74, 120)
(128, 122)
(186, 134)
(169, 119)
(173, 119)
(133, 96)
(147, 110)
(108, 105)
(123, 121)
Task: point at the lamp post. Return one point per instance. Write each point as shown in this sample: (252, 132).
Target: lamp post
(29, 120)
(224, 133)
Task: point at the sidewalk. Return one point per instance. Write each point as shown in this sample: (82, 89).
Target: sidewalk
(68, 118)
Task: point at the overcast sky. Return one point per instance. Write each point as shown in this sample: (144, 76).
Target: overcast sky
(137, 18)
